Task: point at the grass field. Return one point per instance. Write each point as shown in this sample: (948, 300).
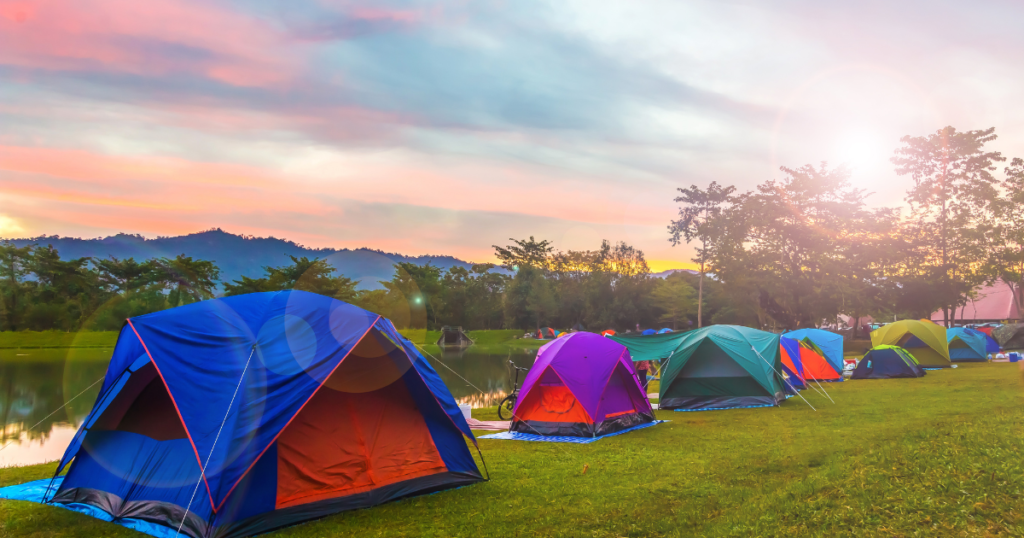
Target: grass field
(938, 456)
(56, 339)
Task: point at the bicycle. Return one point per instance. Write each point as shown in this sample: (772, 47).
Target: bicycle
(508, 404)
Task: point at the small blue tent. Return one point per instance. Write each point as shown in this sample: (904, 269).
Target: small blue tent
(830, 344)
(887, 362)
(665, 330)
(966, 345)
(236, 416)
(648, 332)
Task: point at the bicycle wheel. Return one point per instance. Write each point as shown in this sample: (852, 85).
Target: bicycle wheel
(506, 406)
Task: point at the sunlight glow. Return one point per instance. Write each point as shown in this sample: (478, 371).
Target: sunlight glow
(860, 149)
(9, 227)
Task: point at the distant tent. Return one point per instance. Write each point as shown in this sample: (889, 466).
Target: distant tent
(791, 364)
(826, 343)
(561, 335)
(967, 345)
(609, 332)
(716, 367)
(582, 385)
(925, 341)
(1010, 336)
(453, 337)
(886, 362)
(648, 332)
(986, 329)
(297, 406)
(544, 333)
(665, 330)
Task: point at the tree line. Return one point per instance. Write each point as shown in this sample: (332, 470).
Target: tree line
(536, 286)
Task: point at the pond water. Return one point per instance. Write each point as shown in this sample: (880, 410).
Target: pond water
(36, 382)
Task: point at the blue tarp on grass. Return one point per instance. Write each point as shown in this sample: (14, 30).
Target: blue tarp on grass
(38, 490)
(516, 436)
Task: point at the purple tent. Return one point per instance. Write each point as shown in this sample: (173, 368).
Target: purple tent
(581, 385)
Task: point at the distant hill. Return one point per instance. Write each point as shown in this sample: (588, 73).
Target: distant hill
(238, 255)
(664, 274)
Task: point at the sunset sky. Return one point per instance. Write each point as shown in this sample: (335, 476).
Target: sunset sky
(446, 127)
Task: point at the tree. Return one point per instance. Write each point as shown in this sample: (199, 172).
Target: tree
(246, 285)
(420, 287)
(524, 253)
(14, 266)
(187, 279)
(790, 244)
(314, 276)
(673, 296)
(1006, 261)
(952, 197)
(699, 219)
(64, 290)
(124, 276)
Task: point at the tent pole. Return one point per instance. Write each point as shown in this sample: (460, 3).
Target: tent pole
(783, 378)
(202, 472)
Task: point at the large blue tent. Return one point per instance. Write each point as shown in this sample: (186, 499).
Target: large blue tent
(966, 345)
(236, 416)
(830, 344)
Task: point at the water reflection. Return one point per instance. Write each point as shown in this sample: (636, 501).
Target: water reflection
(488, 372)
(33, 383)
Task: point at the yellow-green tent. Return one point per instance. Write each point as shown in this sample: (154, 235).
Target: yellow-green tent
(925, 340)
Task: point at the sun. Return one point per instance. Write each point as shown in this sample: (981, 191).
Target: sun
(9, 227)
(860, 149)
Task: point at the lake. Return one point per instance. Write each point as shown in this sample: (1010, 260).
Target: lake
(35, 382)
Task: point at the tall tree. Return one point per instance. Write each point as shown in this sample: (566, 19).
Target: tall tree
(794, 251)
(952, 196)
(15, 264)
(700, 220)
(674, 297)
(523, 253)
(420, 286)
(304, 274)
(1006, 261)
(188, 280)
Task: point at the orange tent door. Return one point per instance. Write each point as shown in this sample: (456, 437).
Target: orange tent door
(816, 367)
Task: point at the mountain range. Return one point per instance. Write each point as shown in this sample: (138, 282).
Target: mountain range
(238, 255)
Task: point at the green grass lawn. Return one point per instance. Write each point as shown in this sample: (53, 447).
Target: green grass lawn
(938, 456)
(483, 341)
(56, 339)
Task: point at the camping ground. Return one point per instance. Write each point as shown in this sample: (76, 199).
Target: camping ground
(936, 456)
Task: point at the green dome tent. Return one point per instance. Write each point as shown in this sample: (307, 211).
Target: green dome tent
(717, 367)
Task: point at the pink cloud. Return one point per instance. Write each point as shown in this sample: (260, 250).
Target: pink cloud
(120, 36)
